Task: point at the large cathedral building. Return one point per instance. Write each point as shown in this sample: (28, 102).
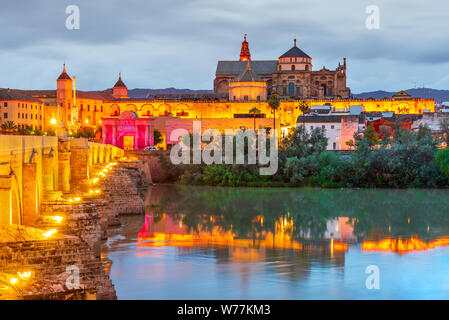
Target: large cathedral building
(291, 76)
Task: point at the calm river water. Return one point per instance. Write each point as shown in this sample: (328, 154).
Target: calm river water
(240, 243)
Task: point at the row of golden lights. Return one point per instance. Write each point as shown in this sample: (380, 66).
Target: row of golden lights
(58, 219)
(54, 121)
(21, 277)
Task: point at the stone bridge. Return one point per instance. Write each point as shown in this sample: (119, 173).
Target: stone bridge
(34, 169)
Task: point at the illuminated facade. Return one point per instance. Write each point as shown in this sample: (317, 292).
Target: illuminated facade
(20, 108)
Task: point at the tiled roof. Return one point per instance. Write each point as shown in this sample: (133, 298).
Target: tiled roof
(10, 94)
(319, 119)
(64, 75)
(119, 83)
(295, 52)
(247, 76)
(237, 67)
(94, 95)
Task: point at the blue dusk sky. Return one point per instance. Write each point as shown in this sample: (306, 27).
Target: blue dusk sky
(176, 43)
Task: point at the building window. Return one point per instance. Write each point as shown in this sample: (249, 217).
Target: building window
(335, 146)
(298, 91)
(18, 115)
(31, 116)
(88, 107)
(323, 126)
(5, 115)
(332, 126)
(258, 98)
(293, 67)
(291, 88)
(284, 91)
(5, 104)
(245, 98)
(284, 81)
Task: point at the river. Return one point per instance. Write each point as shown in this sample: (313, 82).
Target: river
(282, 243)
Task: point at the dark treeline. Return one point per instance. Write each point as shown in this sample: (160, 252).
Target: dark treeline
(401, 159)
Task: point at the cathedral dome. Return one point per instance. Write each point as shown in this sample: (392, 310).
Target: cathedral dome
(295, 52)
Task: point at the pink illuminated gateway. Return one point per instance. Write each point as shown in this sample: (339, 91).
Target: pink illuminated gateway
(128, 131)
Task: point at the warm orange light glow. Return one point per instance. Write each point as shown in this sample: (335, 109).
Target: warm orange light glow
(13, 280)
(49, 233)
(77, 199)
(58, 219)
(24, 275)
(403, 245)
(53, 121)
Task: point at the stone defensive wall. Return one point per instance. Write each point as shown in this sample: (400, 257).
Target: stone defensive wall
(57, 199)
(288, 111)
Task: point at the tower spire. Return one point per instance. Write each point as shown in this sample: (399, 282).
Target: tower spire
(245, 55)
(294, 42)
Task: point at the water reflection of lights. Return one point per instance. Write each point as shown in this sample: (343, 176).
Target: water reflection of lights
(403, 245)
(168, 232)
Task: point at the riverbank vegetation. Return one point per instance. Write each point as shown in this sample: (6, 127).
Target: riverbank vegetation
(396, 158)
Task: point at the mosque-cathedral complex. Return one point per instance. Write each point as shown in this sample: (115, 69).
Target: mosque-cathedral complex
(239, 86)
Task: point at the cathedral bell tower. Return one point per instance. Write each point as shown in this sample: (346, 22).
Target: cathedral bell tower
(245, 55)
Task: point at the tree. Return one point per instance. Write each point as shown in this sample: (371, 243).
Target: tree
(157, 135)
(304, 107)
(442, 159)
(274, 104)
(254, 111)
(444, 126)
(370, 135)
(9, 126)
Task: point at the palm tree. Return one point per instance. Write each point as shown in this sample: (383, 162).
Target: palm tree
(274, 104)
(304, 107)
(254, 111)
(9, 126)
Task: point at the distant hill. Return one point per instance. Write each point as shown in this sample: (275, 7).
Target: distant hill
(428, 93)
(143, 93)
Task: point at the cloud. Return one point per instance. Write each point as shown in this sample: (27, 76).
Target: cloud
(177, 43)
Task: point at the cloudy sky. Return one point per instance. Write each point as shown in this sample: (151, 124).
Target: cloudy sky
(176, 43)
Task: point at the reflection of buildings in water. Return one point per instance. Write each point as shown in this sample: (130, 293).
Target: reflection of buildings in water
(258, 247)
(339, 228)
(401, 246)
